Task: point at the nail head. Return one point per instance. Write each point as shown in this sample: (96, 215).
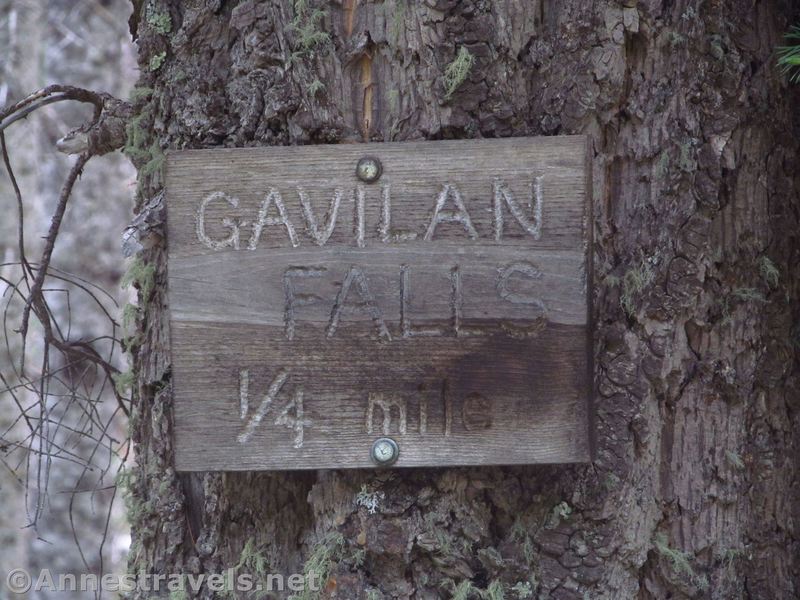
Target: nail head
(385, 451)
(369, 169)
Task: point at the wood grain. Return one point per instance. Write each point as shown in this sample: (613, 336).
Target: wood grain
(471, 316)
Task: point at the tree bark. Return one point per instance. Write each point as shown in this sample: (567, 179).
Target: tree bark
(694, 493)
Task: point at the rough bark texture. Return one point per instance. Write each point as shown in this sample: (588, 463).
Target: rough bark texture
(694, 493)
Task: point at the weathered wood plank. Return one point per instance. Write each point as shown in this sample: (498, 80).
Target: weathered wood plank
(536, 404)
(452, 291)
(205, 286)
(415, 173)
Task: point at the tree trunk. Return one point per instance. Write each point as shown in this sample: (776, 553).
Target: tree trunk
(694, 492)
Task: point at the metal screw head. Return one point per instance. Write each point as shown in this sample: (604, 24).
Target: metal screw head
(385, 451)
(369, 169)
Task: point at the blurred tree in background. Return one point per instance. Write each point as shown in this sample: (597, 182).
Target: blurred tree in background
(84, 43)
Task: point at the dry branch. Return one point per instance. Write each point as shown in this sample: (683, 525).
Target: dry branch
(82, 361)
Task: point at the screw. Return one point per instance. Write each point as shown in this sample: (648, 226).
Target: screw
(369, 169)
(385, 451)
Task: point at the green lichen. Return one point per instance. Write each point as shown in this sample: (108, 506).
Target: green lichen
(124, 481)
(676, 39)
(141, 149)
(457, 71)
(319, 565)
(634, 282)
(528, 549)
(130, 341)
(747, 294)
(560, 512)
(307, 27)
(252, 559)
(494, 591)
(462, 591)
(662, 166)
(157, 61)
(179, 594)
(140, 93)
(769, 272)
(141, 275)
(123, 381)
(730, 556)
(466, 546)
(444, 542)
(155, 162)
(135, 509)
(129, 313)
(164, 487)
(735, 460)
(519, 535)
(686, 159)
(739, 294)
(610, 481)
(161, 22)
(255, 562)
(523, 590)
(716, 46)
(680, 562)
(358, 558)
(315, 87)
(137, 136)
(369, 499)
(491, 557)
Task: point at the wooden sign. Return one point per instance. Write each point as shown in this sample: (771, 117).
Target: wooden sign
(435, 293)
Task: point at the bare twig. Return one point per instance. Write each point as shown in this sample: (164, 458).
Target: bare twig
(20, 216)
(35, 296)
(50, 95)
(75, 378)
